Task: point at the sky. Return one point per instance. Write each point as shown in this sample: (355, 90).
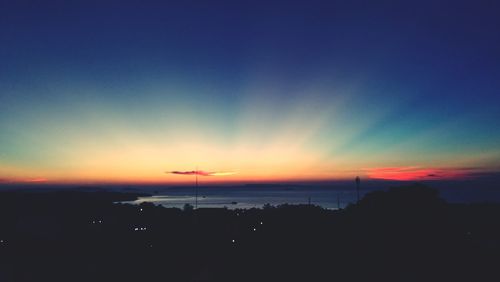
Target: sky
(248, 91)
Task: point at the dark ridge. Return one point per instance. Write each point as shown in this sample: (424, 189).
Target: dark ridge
(402, 234)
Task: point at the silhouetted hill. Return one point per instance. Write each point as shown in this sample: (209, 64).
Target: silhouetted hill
(402, 234)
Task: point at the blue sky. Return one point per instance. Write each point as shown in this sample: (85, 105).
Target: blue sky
(275, 90)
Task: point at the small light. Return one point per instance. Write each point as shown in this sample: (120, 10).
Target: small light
(100, 221)
(93, 222)
(233, 241)
(136, 229)
(141, 209)
(1, 241)
(254, 229)
(261, 223)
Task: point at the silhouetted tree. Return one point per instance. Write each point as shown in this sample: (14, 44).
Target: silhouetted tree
(188, 207)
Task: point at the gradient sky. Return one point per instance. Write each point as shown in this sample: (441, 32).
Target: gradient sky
(124, 91)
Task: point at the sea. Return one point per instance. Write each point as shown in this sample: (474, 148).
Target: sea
(333, 196)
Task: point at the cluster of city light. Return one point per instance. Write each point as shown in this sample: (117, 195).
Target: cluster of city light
(255, 228)
(252, 228)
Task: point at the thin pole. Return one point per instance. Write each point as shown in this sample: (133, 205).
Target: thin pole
(357, 186)
(196, 190)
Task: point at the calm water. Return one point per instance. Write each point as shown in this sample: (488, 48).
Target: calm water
(326, 197)
(242, 198)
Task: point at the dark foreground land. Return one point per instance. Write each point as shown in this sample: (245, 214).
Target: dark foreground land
(405, 234)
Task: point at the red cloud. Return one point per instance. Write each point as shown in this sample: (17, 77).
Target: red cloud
(36, 180)
(415, 173)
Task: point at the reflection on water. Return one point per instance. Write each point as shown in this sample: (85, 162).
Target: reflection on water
(252, 198)
(326, 197)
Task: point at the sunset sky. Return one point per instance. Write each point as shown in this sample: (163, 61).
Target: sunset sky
(251, 91)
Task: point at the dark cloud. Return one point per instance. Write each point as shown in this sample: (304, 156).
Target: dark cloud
(190, 172)
(202, 173)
